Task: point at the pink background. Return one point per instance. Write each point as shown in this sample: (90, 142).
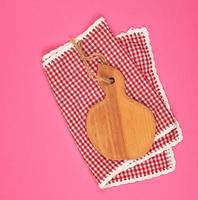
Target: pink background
(39, 160)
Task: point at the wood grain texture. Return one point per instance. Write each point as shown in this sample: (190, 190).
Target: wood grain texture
(119, 127)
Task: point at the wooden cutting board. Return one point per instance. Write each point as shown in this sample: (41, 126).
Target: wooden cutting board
(119, 127)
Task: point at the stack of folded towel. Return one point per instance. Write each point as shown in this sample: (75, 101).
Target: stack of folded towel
(75, 93)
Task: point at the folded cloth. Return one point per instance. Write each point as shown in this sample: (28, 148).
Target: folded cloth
(160, 164)
(75, 93)
(136, 41)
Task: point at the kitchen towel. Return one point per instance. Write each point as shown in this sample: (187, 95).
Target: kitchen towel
(75, 93)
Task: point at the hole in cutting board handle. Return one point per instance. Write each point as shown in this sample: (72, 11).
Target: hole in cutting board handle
(112, 80)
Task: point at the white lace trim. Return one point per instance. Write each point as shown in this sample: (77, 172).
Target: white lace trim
(47, 58)
(52, 55)
(131, 163)
(171, 168)
(146, 34)
(165, 131)
(144, 30)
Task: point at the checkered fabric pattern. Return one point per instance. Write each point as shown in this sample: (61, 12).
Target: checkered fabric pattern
(137, 43)
(160, 164)
(75, 93)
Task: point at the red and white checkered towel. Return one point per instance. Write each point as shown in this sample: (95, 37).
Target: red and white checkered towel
(75, 93)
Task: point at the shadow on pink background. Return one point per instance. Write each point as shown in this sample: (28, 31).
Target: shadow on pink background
(39, 160)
